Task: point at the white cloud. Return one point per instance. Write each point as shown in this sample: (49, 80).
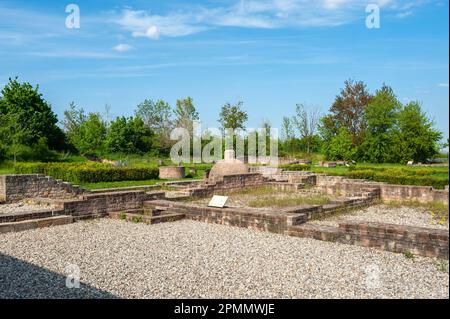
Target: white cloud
(122, 47)
(443, 85)
(405, 14)
(334, 4)
(142, 24)
(258, 14)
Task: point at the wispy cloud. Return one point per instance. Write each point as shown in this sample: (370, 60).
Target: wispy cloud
(443, 85)
(73, 54)
(122, 47)
(261, 14)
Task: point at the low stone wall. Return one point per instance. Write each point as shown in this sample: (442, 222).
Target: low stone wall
(423, 194)
(99, 205)
(227, 183)
(259, 219)
(172, 172)
(395, 238)
(388, 192)
(18, 187)
(2, 189)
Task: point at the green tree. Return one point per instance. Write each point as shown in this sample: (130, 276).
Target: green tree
(415, 138)
(288, 135)
(157, 116)
(348, 110)
(185, 114)
(13, 136)
(306, 122)
(91, 135)
(341, 146)
(128, 136)
(34, 114)
(233, 116)
(74, 118)
(381, 117)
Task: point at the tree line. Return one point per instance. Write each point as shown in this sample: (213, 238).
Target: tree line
(359, 126)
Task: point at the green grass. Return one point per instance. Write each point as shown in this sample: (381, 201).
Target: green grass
(266, 196)
(148, 182)
(287, 202)
(121, 184)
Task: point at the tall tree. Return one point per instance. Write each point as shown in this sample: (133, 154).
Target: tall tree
(128, 136)
(415, 138)
(185, 114)
(306, 123)
(348, 109)
(381, 116)
(34, 114)
(12, 136)
(157, 116)
(232, 116)
(86, 132)
(288, 134)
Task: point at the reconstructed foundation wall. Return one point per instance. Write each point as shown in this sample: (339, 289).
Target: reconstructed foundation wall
(18, 187)
(395, 238)
(98, 205)
(388, 192)
(228, 183)
(240, 217)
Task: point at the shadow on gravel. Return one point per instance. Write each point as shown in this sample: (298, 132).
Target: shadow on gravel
(22, 280)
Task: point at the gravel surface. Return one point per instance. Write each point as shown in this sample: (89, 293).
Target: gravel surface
(410, 216)
(188, 259)
(21, 207)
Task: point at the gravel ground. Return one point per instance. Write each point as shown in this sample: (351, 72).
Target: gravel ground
(23, 206)
(410, 216)
(188, 259)
(267, 198)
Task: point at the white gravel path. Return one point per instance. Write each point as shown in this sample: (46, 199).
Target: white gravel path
(188, 259)
(23, 206)
(409, 216)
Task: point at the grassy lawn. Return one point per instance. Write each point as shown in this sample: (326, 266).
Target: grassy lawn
(266, 197)
(121, 184)
(149, 182)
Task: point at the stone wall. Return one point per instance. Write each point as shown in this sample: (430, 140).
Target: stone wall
(19, 187)
(2, 189)
(395, 238)
(227, 183)
(172, 172)
(387, 192)
(99, 205)
(423, 194)
(253, 218)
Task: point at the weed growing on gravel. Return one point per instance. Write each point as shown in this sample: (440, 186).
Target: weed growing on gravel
(442, 265)
(136, 219)
(408, 254)
(437, 210)
(123, 216)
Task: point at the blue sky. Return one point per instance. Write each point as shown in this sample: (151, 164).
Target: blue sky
(271, 54)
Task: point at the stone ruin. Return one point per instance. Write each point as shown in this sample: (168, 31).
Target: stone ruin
(228, 166)
(148, 205)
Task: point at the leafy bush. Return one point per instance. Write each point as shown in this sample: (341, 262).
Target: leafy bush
(88, 172)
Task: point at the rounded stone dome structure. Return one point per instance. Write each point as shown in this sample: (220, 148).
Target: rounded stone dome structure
(228, 166)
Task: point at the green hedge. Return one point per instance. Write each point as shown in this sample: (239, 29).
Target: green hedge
(88, 172)
(399, 176)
